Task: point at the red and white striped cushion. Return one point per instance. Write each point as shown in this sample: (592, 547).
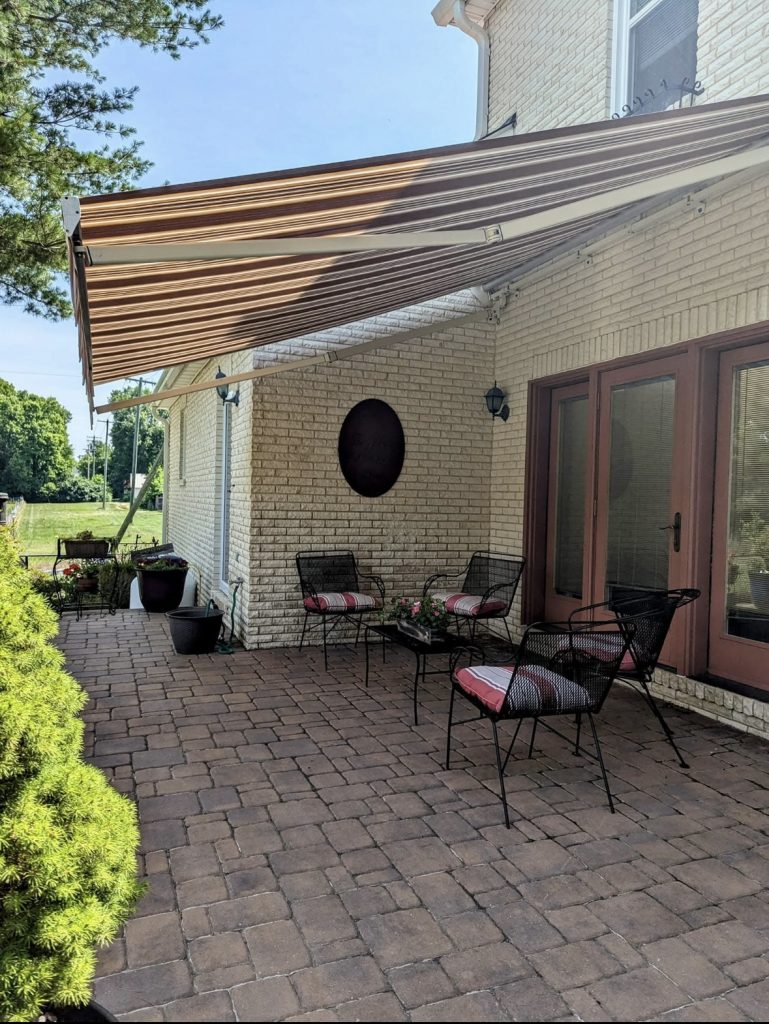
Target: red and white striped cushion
(535, 688)
(467, 604)
(345, 601)
(603, 647)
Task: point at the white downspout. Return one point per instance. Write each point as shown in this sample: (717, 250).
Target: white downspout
(481, 36)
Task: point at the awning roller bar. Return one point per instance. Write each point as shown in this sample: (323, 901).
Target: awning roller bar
(494, 234)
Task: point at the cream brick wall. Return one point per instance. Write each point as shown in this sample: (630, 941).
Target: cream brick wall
(551, 59)
(549, 62)
(435, 515)
(193, 502)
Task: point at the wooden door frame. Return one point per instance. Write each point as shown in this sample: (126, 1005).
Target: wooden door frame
(702, 359)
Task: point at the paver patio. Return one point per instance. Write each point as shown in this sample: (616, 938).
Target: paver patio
(309, 858)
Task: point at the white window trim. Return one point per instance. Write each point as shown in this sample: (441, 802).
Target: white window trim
(226, 422)
(621, 49)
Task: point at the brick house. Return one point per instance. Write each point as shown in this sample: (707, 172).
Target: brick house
(633, 356)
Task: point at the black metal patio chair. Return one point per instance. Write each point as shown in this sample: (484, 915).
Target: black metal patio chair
(487, 589)
(330, 583)
(652, 613)
(550, 675)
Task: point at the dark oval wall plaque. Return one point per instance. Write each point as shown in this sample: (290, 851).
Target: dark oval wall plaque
(371, 447)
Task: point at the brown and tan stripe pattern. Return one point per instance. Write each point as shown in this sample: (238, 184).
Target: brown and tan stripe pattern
(157, 315)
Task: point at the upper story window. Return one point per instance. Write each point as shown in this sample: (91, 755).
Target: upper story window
(655, 54)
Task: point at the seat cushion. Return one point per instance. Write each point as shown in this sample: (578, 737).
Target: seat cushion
(342, 601)
(604, 647)
(535, 690)
(469, 605)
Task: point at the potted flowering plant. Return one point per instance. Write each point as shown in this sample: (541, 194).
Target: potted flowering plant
(85, 545)
(423, 619)
(84, 575)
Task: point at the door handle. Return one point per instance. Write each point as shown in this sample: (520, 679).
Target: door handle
(675, 526)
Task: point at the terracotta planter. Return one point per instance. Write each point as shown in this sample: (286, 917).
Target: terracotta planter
(87, 584)
(161, 590)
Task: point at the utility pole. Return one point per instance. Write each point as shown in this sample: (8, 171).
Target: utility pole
(140, 382)
(106, 460)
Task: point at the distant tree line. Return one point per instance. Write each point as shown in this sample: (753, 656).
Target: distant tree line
(36, 459)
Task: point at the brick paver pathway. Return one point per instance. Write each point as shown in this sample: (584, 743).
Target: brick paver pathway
(310, 859)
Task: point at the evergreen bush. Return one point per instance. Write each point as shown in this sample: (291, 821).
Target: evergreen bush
(68, 841)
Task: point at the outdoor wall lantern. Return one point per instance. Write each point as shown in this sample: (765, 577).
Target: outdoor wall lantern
(224, 392)
(495, 403)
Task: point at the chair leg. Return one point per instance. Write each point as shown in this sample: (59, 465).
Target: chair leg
(509, 634)
(325, 643)
(304, 629)
(512, 743)
(501, 774)
(357, 632)
(665, 727)
(600, 761)
(535, 723)
(579, 730)
(448, 730)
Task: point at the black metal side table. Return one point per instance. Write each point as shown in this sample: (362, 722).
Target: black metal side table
(389, 631)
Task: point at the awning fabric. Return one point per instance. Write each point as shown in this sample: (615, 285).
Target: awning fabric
(139, 317)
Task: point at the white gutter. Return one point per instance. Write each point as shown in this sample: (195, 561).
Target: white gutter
(477, 32)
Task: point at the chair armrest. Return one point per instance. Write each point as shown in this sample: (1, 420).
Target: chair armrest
(492, 590)
(579, 613)
(377, 581)
(441, 576)
(471, 651)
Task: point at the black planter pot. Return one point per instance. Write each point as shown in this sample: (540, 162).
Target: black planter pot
(193, 631)
(93, 1013)
(161, 590)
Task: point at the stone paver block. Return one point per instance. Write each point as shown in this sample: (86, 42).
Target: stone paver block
(542, 858)
(637, 995)
(153, 940)
(441, 894)
(323, 920)
(716, 880)
(268, 999)
(310, 811)
(486, 967)
(525, 927)
(531, 1000)
(690, 970)
(402, 937)
(472, 929)
(575, 965)
(206, 1006)
(556, 892)
(161, 808)
(416, 984)
(338, 982)
(247, 911)
(194, 862)
(261, 838)
(149, 986)
(637, 917)
(477, 1006)
(380, 1007)
(420, 856)
(727, 941)
(276, 948)
(213, 951)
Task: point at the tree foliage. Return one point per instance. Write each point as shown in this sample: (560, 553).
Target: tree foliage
(68, 841)
(53, 101)
(34, 447)
(122, 437)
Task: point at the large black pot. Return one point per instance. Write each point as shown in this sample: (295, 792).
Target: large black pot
(93, 1013)
(161, 590)
(195, 630)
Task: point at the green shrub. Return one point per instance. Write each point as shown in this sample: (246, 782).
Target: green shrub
(68, 841)
(126, 571)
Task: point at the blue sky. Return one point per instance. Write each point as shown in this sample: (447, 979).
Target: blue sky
(283, 84)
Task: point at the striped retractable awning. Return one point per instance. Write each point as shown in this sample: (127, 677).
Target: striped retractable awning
(168, 275)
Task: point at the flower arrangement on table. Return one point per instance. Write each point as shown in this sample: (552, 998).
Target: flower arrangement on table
(422, 618)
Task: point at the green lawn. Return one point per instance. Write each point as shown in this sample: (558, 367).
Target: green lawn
(41, 524)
